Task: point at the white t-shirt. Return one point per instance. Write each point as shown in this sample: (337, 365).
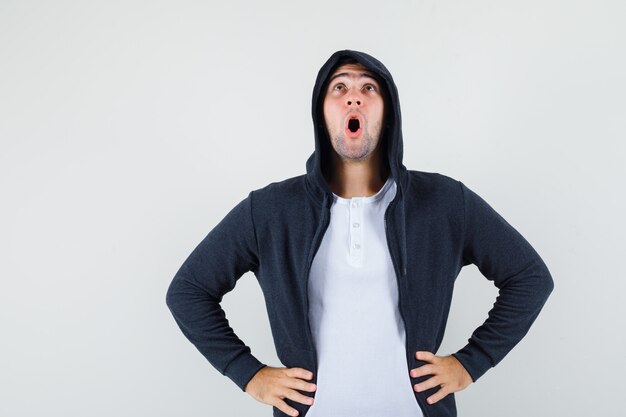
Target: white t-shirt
(355, 319)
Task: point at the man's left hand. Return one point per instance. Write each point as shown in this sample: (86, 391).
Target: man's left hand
(447, 371)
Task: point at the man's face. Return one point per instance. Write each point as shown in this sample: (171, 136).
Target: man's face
(353, 93)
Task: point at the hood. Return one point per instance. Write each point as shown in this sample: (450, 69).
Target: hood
(318, 163)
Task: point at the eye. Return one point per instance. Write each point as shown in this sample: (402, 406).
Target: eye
(339, 87)
(370, 87)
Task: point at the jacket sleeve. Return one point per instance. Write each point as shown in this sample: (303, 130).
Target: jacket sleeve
(210, 271)
(524, 283)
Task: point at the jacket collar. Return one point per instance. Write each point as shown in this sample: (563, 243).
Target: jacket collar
(316, 184)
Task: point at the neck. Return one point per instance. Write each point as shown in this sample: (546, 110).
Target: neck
(358, 178)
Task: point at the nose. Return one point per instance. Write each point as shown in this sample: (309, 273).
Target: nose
(353, 100)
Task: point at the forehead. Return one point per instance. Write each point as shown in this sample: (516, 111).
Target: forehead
(352, 71)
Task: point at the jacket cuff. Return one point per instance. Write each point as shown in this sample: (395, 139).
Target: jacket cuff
(474, 360)
(243, 368)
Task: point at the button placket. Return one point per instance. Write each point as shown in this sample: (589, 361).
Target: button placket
(356, 231)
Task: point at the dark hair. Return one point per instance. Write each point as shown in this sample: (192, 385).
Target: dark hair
(347, 60)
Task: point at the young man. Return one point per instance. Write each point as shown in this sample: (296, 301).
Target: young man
(357, 260)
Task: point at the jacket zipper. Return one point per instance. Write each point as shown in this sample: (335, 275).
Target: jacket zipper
(406, 333)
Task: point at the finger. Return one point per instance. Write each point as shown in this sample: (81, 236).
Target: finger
(296, 396)
(282, 406)
(429, 383)
(437, 396)
(299, 373)
(427, 369)
(297, 383)
(424, 355)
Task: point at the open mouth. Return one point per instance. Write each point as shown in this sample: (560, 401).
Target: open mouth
(353, 126)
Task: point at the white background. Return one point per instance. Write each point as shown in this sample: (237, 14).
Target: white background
(128, 129)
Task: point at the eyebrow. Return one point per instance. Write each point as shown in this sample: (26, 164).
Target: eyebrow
(345, 74)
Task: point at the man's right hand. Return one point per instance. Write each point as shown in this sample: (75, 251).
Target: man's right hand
(270, 385)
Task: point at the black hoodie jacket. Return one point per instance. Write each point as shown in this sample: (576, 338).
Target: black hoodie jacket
(435, 225)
